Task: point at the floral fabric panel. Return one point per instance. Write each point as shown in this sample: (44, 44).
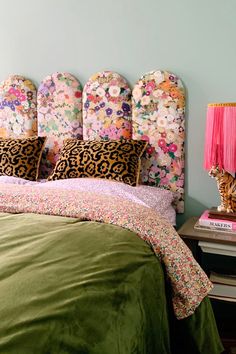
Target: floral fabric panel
(59, 115)
(107, 107)
(18, 112)
(158, 108)
(188, 282)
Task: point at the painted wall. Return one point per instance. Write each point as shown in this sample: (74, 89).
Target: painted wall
(193, 39)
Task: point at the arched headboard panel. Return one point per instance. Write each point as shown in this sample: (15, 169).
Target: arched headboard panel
(18, 111)
(158, 108)
(59, 115)
(107, 107)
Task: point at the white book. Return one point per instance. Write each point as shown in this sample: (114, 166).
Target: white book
(223, 290)
(223, 278)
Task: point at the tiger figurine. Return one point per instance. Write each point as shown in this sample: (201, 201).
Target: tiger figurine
(226, 184)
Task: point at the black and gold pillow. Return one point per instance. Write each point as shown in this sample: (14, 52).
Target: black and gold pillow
(21, 157)
(114, 159)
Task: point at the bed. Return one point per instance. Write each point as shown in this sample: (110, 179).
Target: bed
(94, 265)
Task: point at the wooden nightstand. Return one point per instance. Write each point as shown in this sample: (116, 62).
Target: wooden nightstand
(215, 251)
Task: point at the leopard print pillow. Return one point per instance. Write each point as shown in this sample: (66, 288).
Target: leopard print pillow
(114, 159)
(21, 157)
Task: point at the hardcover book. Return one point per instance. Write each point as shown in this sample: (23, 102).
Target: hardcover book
(220, 224)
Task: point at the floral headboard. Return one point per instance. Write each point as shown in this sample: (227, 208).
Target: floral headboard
(105, 109)
(18, 112)
(158, 107)
(59, 115)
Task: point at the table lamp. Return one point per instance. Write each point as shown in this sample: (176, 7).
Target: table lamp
(220, 152)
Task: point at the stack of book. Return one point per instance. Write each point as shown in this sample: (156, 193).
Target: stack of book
(212, 220)
(224, 287)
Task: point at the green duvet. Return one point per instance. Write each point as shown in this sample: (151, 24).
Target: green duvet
(69, 286)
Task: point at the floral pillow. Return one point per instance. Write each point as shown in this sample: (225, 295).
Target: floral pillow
(21, 157)
(115, 160)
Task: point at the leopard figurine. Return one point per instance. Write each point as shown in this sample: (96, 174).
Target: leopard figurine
(226, 184)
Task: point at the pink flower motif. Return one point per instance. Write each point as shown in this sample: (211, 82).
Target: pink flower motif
(145, 138)
(155, 169)
(165, 149)
(180, 183)
(22, 98)
(172, 147)
(163, 135)
(162, 173)
(150, 86)
(164, 181)
(17, 93)
(11, 90)
(150, 150)
(161, 143)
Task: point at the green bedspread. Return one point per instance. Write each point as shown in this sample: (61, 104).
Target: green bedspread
(69, 286)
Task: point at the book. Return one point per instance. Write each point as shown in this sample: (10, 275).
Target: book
(227, 279)
(223, 290)
(218, 224)
(222, 298)
(214, 229)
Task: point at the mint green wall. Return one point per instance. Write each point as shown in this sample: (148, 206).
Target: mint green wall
(193, 39)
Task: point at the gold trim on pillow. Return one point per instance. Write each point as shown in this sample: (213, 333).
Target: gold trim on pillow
(114, 159)
(20, 157)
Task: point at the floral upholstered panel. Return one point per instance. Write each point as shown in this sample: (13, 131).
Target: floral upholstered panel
(59, 115)
(106, 107)
(18, 112)
(158, 108)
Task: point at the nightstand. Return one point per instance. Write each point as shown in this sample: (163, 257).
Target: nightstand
(215, 251)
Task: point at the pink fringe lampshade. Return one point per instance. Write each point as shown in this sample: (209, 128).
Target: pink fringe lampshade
(220, 142)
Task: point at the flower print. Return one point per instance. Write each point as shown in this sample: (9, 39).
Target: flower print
(102, 105)
(16, 102)
(96, 125)
(165, 160)
(157, 93)
(172, 147)
(17, 128)
(161, 143)
(119, 113)
(108, 111)
(150, 149)
(96, 108)
(25, 104)
(150, 86)
(126, 133)
(163, 135)
(161, 122)
(137, 93)
(78, 94)
(180, 183)
(174, 127)
(165, 149)
(22, 98)
(164, 181)
(114, 91)
(17, 93)
(162, 173)
(145, 100)
(86, 105)
(145, 138)
(170, 118)
(100, 92)
(30, 95)
(159, 77)
(126, 107)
